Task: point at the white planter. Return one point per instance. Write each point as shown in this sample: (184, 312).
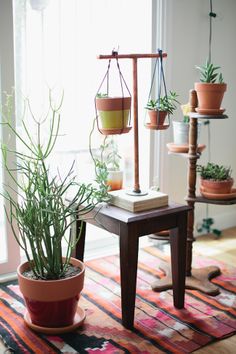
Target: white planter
(181, 132)
(39, 5)
(115, 180)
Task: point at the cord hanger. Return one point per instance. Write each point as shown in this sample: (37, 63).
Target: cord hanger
(211, 15)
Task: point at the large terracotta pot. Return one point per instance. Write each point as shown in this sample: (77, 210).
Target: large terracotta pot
(157, 117)
(210, 96)
(51, 303)
(114, 111)
(217, 187)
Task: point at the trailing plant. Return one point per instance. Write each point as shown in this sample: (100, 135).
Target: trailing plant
(166, 103)
(214, 172)
(101, 169)
(208, 73)
(41, 215)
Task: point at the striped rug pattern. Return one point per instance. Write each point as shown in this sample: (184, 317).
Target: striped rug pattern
(159, 327)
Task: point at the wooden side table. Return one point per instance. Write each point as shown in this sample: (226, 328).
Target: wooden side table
(129, 227)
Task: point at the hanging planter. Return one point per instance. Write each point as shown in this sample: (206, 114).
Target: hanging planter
(113, 113)
(210, 91)
(160, 109)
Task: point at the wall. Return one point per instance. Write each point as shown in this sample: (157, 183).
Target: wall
(187, 35)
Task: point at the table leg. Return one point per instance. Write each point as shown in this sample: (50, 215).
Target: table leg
(178, 240)
(129, 241)
(78, 252)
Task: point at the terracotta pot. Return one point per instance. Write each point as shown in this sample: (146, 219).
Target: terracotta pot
(217, 187)
(115, 180)
(157, 117)
(114, 111)
(210, 95)
(51, 303)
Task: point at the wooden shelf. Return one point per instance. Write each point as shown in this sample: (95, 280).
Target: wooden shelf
(205, 116)
(200, 199)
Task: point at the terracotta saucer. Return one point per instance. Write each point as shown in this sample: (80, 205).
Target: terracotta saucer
(156, 127)
(78, 321)
(210, 111)
(115, 131)
(183, 148)
(214, 196)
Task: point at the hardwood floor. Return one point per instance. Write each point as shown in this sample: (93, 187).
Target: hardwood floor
(223, 249)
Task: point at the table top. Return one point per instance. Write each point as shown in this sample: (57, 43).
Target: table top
(126, 216)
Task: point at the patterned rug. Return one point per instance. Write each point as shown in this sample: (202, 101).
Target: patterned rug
(159, 327)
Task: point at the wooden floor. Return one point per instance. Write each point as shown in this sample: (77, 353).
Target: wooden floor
(223, 249)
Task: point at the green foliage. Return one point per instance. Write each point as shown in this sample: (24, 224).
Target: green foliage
(166, 103)
(206, 226)
(214, 171)
(109, 153)
(209, 73)
(41, 215)
(102, 95)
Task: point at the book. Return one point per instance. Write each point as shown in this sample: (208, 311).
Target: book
(136, 203)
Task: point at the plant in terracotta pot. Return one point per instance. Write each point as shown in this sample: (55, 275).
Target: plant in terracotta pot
(113, 112)
(210, 90)
(215, 179)
(41, 219)
(159, 108)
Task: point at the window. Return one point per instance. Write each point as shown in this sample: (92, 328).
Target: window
(57, 48)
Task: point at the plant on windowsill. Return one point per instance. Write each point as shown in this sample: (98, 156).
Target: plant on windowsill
(210, 90)
(216, 180)
(159, 108)
(39, 215)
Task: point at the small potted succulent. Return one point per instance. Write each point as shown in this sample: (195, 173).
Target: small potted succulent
(113, 113)
(215, 179)
(159, 108)
(210, 90)
(40, 217)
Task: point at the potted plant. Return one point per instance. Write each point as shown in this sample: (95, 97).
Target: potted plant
(50, 280)
(159, 108)
(215, 179)
(181, 128)
(210, 91)
(113, 113)
(112, 160)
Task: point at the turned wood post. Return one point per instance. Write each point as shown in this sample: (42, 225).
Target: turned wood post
(191, 179)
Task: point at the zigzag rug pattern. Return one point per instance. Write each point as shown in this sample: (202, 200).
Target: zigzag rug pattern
(159, 327)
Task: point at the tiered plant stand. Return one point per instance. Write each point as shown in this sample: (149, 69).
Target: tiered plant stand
(198, 279)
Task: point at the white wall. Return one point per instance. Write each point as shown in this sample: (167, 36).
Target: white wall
(187, 45)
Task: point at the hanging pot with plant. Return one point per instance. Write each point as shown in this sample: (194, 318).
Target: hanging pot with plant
(113, 111)
(159, 109)
(210, 91)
